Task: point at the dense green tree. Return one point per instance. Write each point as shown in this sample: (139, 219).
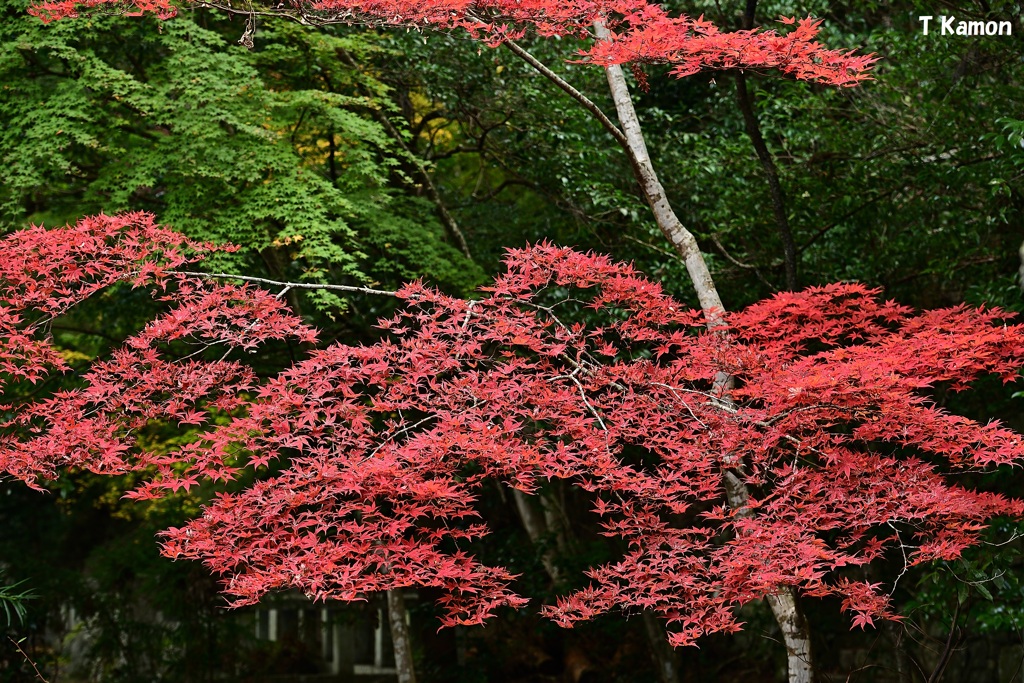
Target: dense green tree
(274, 149)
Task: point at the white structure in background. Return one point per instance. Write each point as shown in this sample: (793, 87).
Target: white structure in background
(348, 645)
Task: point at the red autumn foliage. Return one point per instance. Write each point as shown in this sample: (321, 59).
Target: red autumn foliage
(639, 30)
(381, 451)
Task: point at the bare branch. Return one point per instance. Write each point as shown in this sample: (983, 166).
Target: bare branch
(589, 105)
(287, 285)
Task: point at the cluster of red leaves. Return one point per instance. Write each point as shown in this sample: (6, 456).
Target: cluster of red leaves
(695, 45)
(382, 450)
(43, 273)
(639, 31)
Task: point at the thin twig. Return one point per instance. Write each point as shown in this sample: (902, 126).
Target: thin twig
(403, 430)
(739, 264)
(906, 561)
(27, 659)
(587, 103)
(289, 285)
(593, 412)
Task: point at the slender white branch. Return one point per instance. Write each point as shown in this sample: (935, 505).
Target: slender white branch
(286, 285)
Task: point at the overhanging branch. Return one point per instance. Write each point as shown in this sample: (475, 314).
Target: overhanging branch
(286, 285)
(585, 101)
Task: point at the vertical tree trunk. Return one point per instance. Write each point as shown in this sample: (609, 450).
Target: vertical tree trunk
(767, 162)
(682, 239)
(400, 640)
(795, 634)
(1020, 272)
(552, 503)
(663, 654)
(537, 529)
(783, 605)
(772, 174)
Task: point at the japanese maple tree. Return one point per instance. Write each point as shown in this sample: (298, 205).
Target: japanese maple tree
(626, 31)
(381, 450)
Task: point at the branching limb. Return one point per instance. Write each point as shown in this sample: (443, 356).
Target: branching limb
(287, 285)
(450, 225)
(586, 102)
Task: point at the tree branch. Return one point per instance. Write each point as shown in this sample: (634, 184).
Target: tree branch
(442, 211)
(771, 172)
(619, 136)
(750, 122)
(286, 285)
(739, 264)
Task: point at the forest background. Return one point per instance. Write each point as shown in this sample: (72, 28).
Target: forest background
(376, 157)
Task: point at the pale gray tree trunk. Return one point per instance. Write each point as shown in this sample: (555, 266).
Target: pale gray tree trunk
(537, 529)
(795, 634)
(400, 640)
(783, 604)
(1021, 271)
(682, 239)
(664, 655)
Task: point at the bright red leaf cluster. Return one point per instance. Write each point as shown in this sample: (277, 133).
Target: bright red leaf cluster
(382, 450)
(43, 273)
(640, 31)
